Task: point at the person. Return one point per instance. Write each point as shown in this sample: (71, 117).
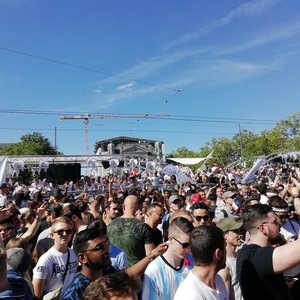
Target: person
(175, 204)
(163, 275)
(12, 285)
(233, 238)
(113, 287)
(201, 213)
(3, 195)
(92, 249)
(130, 234)
(228, 210)
(56, 268)
(209, 254)
(111, 212)
(259, 265)
(154, 215)
(70, 211)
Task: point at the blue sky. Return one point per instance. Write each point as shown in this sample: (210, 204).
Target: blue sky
(218, 63)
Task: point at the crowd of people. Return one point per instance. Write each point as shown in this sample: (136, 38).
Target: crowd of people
(150, 236)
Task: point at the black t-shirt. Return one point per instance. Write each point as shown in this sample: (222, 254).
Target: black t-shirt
(156, 236)
(256, 276)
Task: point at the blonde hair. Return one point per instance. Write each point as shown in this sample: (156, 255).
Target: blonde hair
(58, 220)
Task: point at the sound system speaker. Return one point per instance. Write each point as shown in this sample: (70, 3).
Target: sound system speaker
(61, 173)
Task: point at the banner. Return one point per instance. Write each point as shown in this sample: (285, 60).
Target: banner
(3, 170)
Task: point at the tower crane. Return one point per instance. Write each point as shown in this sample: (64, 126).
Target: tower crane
(87, 117)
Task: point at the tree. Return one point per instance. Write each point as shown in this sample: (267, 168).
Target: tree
(285, 136)
(183, 152)
(30, 144)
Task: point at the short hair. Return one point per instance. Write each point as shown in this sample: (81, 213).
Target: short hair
(205, 240)
(80, 243)
(70, 210)
(152, 206)
(181, 225)
(181, 213)
(254, 213)
(278, 202)
(100, 225)
(202, 205)
(117, 284)
(61, 220)
(108, 204)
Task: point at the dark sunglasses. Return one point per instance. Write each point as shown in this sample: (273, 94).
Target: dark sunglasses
(204, 218)
(62, 232)
(183, 245)
(99, 248)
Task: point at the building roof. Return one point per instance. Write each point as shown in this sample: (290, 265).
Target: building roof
(124, 139)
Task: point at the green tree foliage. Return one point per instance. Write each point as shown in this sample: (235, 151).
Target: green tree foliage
(30, 144)
(183, 152)
(285, 136)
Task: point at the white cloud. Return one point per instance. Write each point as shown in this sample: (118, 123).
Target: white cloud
(276, 35)
(126, 87)
(249, 9)
(97, 91)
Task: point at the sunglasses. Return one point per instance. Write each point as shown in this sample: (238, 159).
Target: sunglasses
(99, 248)
(204, 218)
(183, 245)
(62, 232)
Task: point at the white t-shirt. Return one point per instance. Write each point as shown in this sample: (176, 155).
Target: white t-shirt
(235, 289)
(3, 201)
(193, 288)
(52, 265)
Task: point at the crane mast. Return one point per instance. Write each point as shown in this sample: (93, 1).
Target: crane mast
(87, 117)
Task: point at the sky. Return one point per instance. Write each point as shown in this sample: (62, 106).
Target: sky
(203, 69)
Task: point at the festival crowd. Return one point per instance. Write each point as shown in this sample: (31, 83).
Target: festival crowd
(149, 236)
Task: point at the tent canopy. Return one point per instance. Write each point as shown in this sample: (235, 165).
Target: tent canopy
(188, 161)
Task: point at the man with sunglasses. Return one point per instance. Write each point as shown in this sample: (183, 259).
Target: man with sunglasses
(209, 254)
(92, 249)
(91, 246)
(164, 275)
(56, 268)
(201, 214)
(260, 266)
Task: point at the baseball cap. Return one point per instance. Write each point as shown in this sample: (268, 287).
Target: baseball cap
(227, 224)
(18, 259)
(228, 194)
(173, 198)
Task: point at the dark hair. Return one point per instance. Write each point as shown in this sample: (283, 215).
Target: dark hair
(152, 206)
(202, 205)
(212, 197)
(116, 284)
(70, 210)
(205, 240)
(254, 213)
(80, 243)
(278, 202)
(99, 225)
(199, 205)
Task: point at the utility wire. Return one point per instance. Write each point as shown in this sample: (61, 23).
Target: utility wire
(172, 118)
(52, 60)
(113, 130)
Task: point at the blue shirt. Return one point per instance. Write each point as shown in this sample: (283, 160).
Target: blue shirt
(77, 287)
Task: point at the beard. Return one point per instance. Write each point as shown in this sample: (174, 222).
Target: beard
(274, 240)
